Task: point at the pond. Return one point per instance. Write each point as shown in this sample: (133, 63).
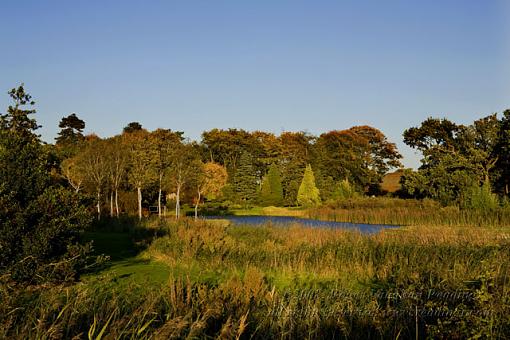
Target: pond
(286, 220)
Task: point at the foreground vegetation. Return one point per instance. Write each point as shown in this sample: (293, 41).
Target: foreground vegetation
(213, 280)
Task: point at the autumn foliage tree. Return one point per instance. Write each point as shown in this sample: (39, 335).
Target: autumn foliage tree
(360, 154)
(208, 180)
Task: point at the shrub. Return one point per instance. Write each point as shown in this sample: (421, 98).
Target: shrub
(481, 198)
(40, 243)
(344, 190)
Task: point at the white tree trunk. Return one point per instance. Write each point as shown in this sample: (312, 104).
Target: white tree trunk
(77, 187)
(111, 204)
(117, 202)
(159, 195)
(139, 203)
(178, 202)
(196, 205)
(98, 204)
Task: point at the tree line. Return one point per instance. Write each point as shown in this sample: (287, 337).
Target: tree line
(463, 165)
(233, 165)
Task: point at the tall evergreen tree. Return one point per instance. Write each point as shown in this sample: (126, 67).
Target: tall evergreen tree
(325, 184)
(295, 154)
(245, 179)
(308, 194)
(271, 192)
(71, 130)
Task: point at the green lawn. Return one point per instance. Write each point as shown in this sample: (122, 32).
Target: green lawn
(126, 264)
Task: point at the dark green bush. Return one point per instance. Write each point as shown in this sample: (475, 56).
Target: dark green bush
(40, 222)
(40, 243)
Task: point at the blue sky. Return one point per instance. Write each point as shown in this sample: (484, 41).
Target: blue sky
(266, 65)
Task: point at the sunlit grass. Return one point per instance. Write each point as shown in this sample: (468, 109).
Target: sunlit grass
(270, 211)
(408, 212)
(210, 279)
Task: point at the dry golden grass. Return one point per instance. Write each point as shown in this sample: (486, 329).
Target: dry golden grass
(391, 181)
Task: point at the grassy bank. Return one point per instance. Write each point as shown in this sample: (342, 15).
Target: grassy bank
(270, 211)
(262, 282)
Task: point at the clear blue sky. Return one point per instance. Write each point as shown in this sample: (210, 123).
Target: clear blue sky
(268, 65)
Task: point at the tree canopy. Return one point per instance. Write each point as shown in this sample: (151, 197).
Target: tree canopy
(71, 130)
(457, 158)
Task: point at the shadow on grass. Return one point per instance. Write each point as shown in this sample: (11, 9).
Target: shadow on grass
(122, 240)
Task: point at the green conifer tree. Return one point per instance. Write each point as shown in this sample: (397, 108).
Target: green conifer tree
(245, 179)
(71, 130)
(308, 194)
(271, 192)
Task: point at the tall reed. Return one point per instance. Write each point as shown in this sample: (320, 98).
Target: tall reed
(408, 212)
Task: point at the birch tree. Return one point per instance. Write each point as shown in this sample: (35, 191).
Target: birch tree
(73, 172)
(95, 166)
(141, 157)
(209, 179)
(182, 170)
(164, 142)
(117, 160)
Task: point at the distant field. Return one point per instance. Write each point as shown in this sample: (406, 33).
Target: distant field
(391, 181)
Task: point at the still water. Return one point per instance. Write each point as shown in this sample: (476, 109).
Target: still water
(286, 220)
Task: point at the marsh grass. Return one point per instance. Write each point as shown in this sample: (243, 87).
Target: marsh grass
(285, 282)
(408, 212)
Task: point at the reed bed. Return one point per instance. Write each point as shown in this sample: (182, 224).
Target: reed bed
(286, 282)
(408, 212)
